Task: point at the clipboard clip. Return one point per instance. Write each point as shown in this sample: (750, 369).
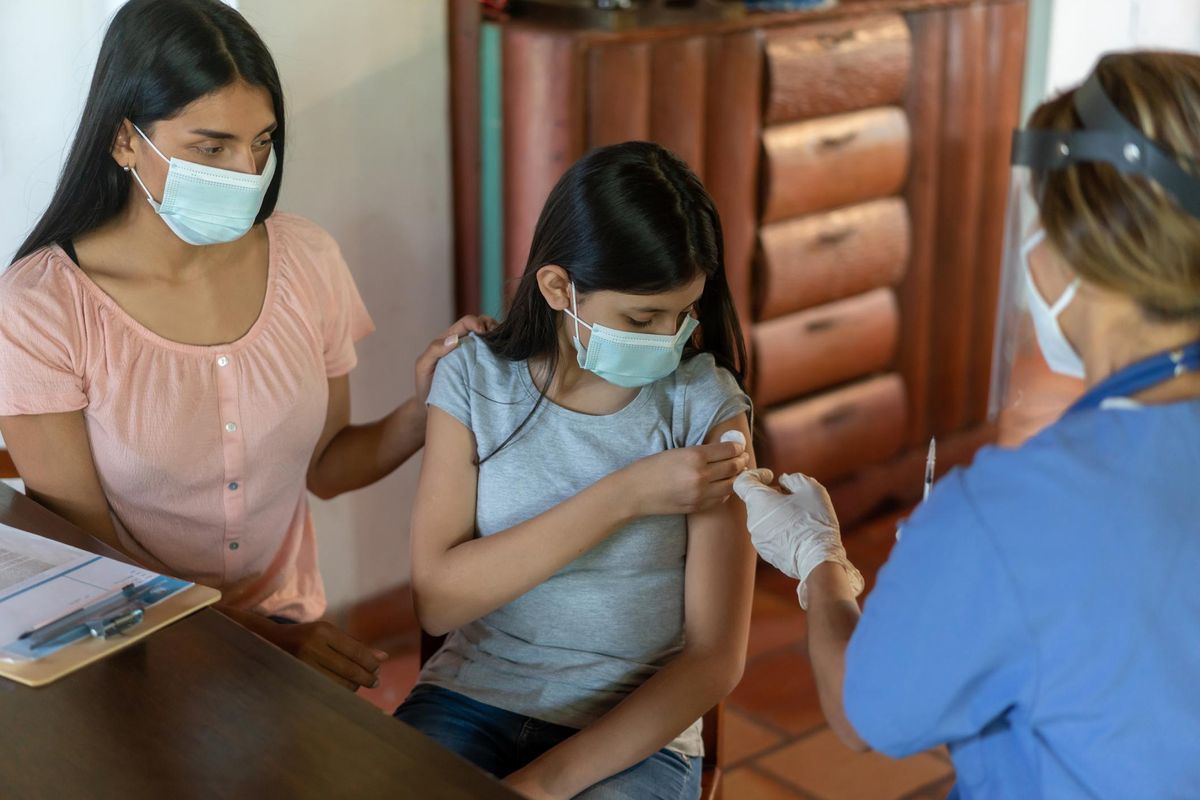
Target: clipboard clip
(115, 626)
(108, 617)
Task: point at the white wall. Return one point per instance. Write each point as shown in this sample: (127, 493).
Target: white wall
(368, 158)
(47, 53)
(1076, 32)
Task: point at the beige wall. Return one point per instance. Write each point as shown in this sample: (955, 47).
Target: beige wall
(368, 158)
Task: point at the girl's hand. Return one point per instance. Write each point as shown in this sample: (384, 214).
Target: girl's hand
(523, 783)
(443, 346)
(683, 480)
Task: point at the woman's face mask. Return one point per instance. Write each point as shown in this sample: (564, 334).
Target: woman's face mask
(208, 205)
(630, 358)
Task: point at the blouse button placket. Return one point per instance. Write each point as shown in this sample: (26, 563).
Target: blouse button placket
(233, 451)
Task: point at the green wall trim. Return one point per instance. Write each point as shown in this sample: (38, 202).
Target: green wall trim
(491, 171)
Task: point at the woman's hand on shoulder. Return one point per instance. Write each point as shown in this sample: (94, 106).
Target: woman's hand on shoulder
(683, 480)
(445, 344)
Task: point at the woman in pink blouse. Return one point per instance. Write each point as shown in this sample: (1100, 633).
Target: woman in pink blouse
(174, 355)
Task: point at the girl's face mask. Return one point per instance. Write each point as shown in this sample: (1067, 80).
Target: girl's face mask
(626, 358)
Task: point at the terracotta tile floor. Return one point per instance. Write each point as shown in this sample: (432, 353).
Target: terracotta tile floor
(775, 744)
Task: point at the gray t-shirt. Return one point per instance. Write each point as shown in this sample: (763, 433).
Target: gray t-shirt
(571, 649)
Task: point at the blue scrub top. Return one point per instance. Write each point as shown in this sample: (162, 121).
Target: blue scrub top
(1041, 615)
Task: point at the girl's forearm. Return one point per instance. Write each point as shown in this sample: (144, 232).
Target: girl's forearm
(479, 575)
(644, 723)
(362, 454)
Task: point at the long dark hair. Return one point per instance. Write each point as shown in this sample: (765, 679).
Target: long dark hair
(157, 57)
(629, 218)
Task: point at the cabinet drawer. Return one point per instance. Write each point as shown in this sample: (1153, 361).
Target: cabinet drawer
(831, 68)
(812, 260)
(825, 346)
(833, 161)
(834, 434)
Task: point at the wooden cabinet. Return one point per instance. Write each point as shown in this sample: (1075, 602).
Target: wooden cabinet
(834, 242)
(830, 162)
(858, 156)
(843, 252)
(825, 346)
(818, 70)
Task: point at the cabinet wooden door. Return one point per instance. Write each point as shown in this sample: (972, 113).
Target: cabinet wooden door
(858, 157)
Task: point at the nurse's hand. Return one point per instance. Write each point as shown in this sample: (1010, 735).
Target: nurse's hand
(683, 480)
(330, 651)
(795, 531)
(443, 346)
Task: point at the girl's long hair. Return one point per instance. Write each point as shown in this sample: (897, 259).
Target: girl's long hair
(629, 218)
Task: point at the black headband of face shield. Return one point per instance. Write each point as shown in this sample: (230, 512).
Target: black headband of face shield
(1107, 137)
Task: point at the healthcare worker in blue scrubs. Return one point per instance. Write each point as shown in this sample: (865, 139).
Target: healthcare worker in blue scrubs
(1041, 613)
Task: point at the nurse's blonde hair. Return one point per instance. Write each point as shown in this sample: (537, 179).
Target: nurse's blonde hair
(1124, 232)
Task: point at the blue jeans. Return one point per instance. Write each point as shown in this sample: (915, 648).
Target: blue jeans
(501, 742)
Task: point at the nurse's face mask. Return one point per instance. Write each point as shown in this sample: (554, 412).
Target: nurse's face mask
(1061, 356)
(628, 358)
(208, 205)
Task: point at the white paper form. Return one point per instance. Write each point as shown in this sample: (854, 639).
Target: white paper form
(42, 580)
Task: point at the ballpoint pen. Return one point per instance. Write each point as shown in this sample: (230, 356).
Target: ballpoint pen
(930, 461)
(113, 614)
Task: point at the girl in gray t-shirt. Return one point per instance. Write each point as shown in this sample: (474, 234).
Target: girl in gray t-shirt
(573, 532)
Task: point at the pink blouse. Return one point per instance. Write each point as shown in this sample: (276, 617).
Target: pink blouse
(202, 451)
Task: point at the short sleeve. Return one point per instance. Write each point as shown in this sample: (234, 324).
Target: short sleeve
(943, 648)
(706, 396)
(451, 388)
(346, 320)
(41, 347)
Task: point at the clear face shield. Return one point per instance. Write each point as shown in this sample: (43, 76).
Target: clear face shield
(1027, 392)
(1037, 371)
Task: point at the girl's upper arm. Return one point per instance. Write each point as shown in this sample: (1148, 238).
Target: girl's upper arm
(444, 510)
(54, 458)
(719, 583)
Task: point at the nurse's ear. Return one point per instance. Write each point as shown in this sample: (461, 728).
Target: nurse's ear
(555, 286)
(122, 149)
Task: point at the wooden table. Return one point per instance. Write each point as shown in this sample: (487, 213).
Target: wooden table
(204, 708)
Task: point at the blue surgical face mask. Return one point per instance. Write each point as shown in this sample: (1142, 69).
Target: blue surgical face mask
(629, 359)
(1061, 356)
(208, 205)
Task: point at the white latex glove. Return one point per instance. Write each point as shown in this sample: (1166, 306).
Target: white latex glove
(794, 532)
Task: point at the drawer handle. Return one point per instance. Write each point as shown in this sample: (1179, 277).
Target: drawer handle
(831, 238)
(818, 325)
(832, 40)
(834, 140)
(837, 416)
